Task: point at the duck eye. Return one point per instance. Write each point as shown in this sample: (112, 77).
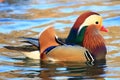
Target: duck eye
(96, 22)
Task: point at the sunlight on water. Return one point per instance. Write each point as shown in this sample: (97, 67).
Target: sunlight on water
(26, 18)
(114, 21)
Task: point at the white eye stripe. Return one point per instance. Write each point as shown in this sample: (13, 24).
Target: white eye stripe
(80, 28)
(88, 21)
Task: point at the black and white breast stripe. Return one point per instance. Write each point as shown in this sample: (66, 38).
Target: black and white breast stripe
(88, 56)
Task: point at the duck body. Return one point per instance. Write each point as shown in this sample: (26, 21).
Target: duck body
(52, 49)
(65, 53)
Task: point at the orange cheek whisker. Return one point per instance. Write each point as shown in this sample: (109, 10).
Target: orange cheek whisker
(92, 39)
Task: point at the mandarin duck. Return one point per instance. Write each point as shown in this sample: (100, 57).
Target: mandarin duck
(84, 42)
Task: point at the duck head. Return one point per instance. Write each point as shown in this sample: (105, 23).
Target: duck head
(85, 32)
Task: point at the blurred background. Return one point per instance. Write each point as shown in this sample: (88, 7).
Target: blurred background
(27, 18)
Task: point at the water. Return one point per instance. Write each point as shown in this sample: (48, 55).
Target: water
(28, 17)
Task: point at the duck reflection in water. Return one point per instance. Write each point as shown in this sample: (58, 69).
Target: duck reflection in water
(72, 70)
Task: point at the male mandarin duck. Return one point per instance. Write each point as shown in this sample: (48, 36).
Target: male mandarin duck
(85, 33)
(84, 42)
